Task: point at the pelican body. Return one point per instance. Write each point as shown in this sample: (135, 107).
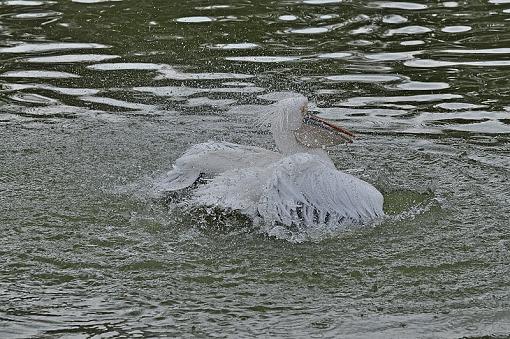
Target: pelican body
(298, 185)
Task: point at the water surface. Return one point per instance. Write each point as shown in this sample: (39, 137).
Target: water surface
(98, 98)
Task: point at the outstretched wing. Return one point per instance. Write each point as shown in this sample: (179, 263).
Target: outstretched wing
(305, 190)
(211, 159)
(238, 189)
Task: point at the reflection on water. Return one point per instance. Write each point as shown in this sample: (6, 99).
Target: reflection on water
(341, 42)
(98, 97)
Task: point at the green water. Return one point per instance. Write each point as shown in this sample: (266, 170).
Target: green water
(98, 98)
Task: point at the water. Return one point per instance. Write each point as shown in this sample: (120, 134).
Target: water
(98, 98)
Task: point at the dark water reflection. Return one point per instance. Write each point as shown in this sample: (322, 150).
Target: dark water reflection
(452, 51)
(98, 97)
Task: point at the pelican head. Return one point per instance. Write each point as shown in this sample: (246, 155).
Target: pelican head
(308, 129)
(294, 129)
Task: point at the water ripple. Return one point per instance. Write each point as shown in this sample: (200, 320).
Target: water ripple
(422, 86)
(456, 29)
(334, 55)
(50, 46)
(430, 63)
(98, 94)
(309, 30)
(71, 58)
(38, 74)
(263, 59)
(408, 30)
(364, 101)
(26, 3)
(35, 15)
(321, 2)
(195, 19)
(243, 45)
(398, 5)
(368, 78)
(478, 51)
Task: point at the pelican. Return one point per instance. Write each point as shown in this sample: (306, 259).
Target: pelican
(298, 185)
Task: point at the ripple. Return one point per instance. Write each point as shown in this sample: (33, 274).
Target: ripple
(422, 86)
(126, 66)
(183, 91)
(62, 90)
(392, 56)
(408, 30)
(398, 5)
(485, 127)
(69, 58)
(361, 42)
(213, 7)
(263, 59)
(171, 91)
(248, 89)
(34, 99)
(94, 1)
(334, 55)
(394, 19)
(238, 83)
(364, 78)
(38, 74)
(412, 42)
(430, 63)
(117, 103)
(328, 16)
(71, 91)
(195, 19)
(363, 30)
(456, 106)
(52, 111)
(36, 15)
(309, 30)
(456, 29)
(221, 103)
(242, 45)
(63, 277)
(168, 72)
(277, 96)
(321, 2)
(450, 4)
(502, 50)
(53, 46)
(362, 101)
(25, 3)
(345, 112)
(288, 17)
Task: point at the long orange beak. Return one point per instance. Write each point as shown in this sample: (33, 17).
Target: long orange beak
(314, 120)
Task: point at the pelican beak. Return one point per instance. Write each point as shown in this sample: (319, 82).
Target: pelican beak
(313, 120)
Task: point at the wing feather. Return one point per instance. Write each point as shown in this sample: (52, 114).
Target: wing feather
(304, 189)
(211, 159)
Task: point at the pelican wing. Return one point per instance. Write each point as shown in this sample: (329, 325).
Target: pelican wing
(305, 190)
(238, 189)
(217, 157)
(211, 159)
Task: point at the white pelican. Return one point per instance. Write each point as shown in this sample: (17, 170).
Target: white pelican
(299, 185)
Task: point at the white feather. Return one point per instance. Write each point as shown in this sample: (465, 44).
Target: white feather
(298, 186)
